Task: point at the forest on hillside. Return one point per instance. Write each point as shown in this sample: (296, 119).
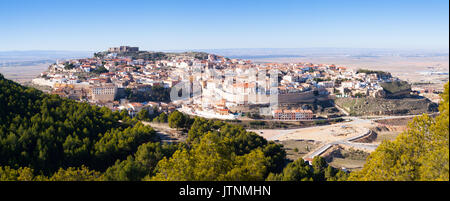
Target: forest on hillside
(47, 138)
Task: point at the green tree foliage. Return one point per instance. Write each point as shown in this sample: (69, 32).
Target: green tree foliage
(45, 137)
(21, 174)
(143, 115)
(70, 174)
(162, 118)
(76, 174)
(396, 86)
(100, 70)
(218, 151)
(142, 164)
(380, 74)
(46, 132)
(176, 119)
(69, 66)
(319, 165)
(116, 144)
(420, 153)
(212, 159)
(300, 170)
(157, 93)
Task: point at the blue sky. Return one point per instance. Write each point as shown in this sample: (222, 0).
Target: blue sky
(216, 24)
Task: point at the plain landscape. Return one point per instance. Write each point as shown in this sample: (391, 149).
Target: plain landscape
(415, 66)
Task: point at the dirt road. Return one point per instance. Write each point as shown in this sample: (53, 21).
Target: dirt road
(328, 135)
(165, 133)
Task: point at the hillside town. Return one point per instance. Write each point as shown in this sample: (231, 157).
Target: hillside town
(218, 87)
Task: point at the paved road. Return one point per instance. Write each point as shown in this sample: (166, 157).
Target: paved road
(348, 141)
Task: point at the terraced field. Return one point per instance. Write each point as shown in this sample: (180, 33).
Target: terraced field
(375, 106)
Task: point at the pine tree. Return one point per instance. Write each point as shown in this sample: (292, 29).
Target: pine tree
(420, 153)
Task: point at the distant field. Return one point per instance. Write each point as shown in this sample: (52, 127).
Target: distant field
(23, 66)
(410, 69)
(23, 74)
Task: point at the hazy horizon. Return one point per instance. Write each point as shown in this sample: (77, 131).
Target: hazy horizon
(31, 57)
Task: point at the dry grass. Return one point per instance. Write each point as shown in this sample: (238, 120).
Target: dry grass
(386, 135)
(351, 159)
(349, 164)
(296, 149)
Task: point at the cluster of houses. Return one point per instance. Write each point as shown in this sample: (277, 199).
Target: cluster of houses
(235, 83)
(222, 83)
(293, 115)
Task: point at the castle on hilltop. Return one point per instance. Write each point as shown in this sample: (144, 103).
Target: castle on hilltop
(123, 49)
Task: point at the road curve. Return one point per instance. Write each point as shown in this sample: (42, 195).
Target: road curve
(347, 142)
